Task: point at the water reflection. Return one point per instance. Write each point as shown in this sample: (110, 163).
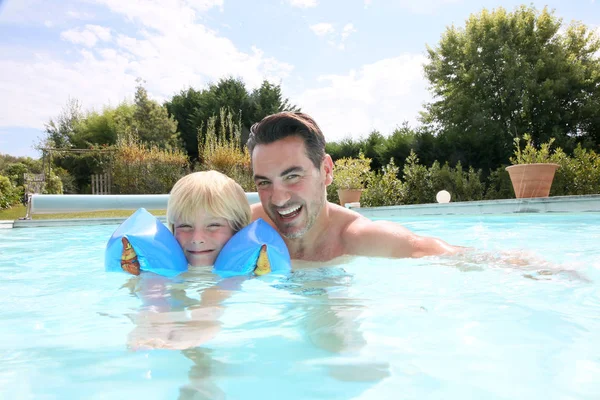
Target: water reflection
(308, 325)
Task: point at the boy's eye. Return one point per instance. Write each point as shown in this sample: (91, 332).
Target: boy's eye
(183, 226)
(214, 225)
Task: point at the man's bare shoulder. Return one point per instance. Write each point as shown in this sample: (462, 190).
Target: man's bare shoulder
(363, 236)
(257, 211)
(343, 219)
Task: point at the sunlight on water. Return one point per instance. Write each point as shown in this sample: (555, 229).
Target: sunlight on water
(518, 316)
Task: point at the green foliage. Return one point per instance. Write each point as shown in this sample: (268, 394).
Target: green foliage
(417, 185)
(9, 194)
(398, 145)
(463, 185)
(96, 129)
(152, 123)
(332, 193)
(421, 184)
(577, 175)
(53, 184)
(192, 108)
(81, 165)
(530, 154)
(352, 173)
(67, 181)
(268, 99)
(15, 173)
(145, 169)
(505, 73)
(384, 189)
(61, 130)
(222, 151)
(499, 185)
(345, 148)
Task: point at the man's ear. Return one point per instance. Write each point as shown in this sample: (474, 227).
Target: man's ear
(328, 168)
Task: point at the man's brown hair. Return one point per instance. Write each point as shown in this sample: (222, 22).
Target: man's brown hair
(281, 125)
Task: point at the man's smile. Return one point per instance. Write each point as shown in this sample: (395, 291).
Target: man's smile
(290, 212)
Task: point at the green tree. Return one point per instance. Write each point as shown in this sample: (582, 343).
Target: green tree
(60, 131)
(505, 74)
(193, 108)
(399, 145)
(268, 99)
(95, 129)
(152, 122)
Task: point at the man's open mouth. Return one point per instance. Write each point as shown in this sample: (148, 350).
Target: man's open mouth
(289, 212)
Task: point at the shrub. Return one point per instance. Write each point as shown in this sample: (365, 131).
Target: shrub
(499, 185)
(577, 175)
(141, 169)
(9, 194)
(530, 154)
(384, 188)
(222, 150)
(418, 188)
(352, 173)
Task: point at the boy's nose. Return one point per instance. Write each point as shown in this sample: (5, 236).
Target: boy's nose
(198, 237)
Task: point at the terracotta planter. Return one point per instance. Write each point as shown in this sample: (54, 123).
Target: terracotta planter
(532, 180)
(349, 195)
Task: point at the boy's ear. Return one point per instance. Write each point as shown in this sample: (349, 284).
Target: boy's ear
(328, 169)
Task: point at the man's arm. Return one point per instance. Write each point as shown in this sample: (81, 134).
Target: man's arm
(389, 239)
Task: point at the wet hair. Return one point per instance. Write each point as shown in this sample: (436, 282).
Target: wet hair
(211, 192)
(281, 125)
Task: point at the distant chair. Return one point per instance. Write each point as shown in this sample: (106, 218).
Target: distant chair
(33, 184)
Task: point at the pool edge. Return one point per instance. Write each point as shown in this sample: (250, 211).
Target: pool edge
(555, 204)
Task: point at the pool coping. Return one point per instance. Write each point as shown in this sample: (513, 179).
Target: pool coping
(556, 204)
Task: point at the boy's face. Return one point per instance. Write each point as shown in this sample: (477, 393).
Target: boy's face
(203, 238)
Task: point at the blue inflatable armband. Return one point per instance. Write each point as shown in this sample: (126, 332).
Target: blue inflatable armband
(256, 249)
(143, 243)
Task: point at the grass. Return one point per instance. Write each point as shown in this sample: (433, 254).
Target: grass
(19, 211)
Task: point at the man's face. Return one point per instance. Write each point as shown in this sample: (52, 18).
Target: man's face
(290, 187)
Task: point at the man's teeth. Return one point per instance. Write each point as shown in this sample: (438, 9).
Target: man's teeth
(287, 212)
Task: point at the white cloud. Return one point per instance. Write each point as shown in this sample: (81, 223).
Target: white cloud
(170, 51)
(347, 30)
(204, 5)
(79, 15)
(426, 6)
(368, 3)
(303, 3)
(334, 39)
(162, 15)
(88, 36)
(322, 29)
(48, 24)
(379, 96)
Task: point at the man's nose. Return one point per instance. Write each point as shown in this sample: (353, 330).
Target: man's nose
(280, 195)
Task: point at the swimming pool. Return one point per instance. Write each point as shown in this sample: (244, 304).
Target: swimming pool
(519, 317)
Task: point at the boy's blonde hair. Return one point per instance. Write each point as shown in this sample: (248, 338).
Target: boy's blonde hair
(212, 192)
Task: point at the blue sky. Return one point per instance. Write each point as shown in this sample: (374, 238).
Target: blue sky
(354, 65)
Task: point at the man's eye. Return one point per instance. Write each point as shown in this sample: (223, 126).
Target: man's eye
(292, 177)
(262, 183)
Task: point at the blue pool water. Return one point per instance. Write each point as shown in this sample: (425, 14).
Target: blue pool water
(516, 318)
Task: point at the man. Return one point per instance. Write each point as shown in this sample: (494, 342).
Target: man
(291, 172)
